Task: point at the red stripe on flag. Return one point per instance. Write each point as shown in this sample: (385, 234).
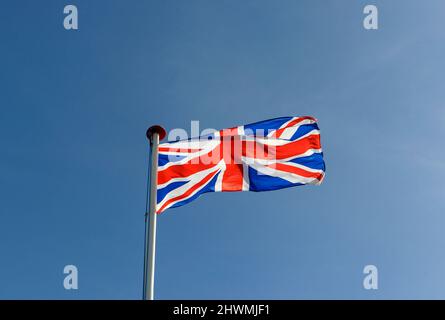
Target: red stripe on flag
(293, 123)
(228, 132)
(233, 175)
(181, 150)
(181, 171)
(261, 151)
(233, 178)
(296, 170)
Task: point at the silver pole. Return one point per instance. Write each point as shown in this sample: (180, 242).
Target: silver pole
(154, 134)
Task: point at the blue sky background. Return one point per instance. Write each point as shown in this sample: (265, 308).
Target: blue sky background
(74, 107)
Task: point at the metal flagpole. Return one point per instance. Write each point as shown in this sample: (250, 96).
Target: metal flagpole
(154, 135)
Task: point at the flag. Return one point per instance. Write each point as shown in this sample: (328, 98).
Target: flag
(262, 156)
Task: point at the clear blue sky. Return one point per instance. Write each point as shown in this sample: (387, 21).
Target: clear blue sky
(74, 107)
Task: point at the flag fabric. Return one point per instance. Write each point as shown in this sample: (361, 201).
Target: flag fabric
(262, 156)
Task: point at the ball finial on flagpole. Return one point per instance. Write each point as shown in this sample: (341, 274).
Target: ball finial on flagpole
(156, 129)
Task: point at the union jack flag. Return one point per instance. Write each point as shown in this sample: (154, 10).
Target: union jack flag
(262, 156)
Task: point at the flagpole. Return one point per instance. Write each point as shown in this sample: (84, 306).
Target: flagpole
(154, 135)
